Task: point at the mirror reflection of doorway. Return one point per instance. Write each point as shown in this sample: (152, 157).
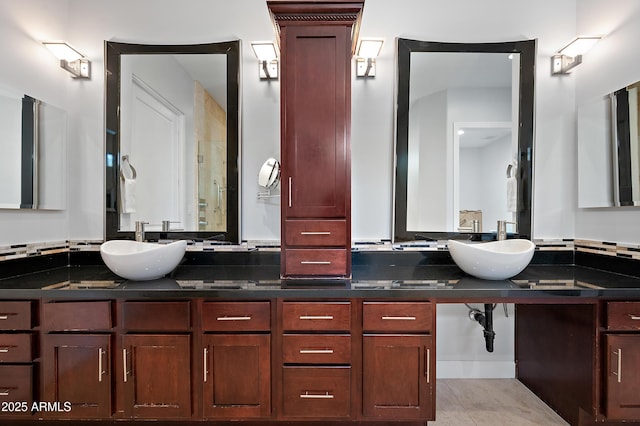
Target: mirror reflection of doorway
(482, 154)
(156, 136)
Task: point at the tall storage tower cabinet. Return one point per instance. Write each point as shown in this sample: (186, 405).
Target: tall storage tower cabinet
(317, 41)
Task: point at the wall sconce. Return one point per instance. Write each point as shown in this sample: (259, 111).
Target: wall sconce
(570, 56)
(267, 56)
(70, 59)
(367, 52)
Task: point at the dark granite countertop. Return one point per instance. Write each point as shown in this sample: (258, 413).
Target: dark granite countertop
(443, 283)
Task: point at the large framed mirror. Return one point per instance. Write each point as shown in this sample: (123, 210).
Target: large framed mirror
(464, 139)
(609, 149)
(172, 140)
(33, 138)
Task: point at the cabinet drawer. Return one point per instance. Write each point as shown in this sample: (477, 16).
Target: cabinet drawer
(15, 348)
(397, 316)
(76, 316)
(316, 349)
(316, 316)
(236, 316)
(323, 233)
(623, 315)
(156, 316)
(316, 391)
(316, 262)
(16, 384)
(15, 315)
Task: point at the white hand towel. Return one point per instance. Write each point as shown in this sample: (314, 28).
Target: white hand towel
(512, 194)
(128, 191)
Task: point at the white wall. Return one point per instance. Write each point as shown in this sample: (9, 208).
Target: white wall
(29, 68)
(87, 23)
(610, 65)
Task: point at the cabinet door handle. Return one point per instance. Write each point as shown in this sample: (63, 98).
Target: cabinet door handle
(243, 318)
(205, 356)
(398, 318)
(124, 365)
(315, 262)
(308, 395)
(315, 233)
(316, 351)
(4, 392)
(100, 367)
(427, 361)
(4, 350)
(289, 191)
(316, 317)
(618, 371)
(4, 317)
(635, 317)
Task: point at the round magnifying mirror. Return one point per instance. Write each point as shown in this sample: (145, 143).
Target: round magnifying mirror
(269, 175)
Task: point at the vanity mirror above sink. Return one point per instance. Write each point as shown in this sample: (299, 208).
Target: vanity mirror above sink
(172, 140)
(464, 138)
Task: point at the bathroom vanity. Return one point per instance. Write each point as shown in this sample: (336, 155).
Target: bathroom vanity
(231, 341)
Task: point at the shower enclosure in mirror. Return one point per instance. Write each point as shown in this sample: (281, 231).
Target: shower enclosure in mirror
(609, 150)
(172, 140)
(464, 141)
(33, 137)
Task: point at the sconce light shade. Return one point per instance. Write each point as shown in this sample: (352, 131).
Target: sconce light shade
(368, 50)
(70, 59)
(570, 56)
(267, 56)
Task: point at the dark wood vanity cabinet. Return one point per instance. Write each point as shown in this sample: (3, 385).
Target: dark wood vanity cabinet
(156, 359)
(316, 40)
(236, 353)
(76, 353)
(398, 367)
(622, 358)
(317, 360)
(16, 358)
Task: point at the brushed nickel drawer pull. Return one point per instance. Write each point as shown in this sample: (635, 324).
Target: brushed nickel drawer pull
(4, 392)
(4, 317)
(307, 395)
(205, 356)
(635, 317)
(244, 318)
(100, 370)
(315, 233)
(124, 364)
(428, 366)
(619, 366)
(316, 317)
(315, 262)
(393, 318)
(316, 351)
(4, 350)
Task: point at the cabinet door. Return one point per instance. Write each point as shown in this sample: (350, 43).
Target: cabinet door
(76, 369)
(316, 116)
(157, 376)
(398, 377)
(237, 375)
(623, 377)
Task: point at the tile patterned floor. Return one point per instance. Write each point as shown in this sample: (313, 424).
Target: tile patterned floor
(490, 402)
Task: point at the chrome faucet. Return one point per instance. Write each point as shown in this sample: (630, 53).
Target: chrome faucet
(140, 230)
(502, 229)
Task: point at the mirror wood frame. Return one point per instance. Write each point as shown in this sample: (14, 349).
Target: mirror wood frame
(524, 175)
(113, 52)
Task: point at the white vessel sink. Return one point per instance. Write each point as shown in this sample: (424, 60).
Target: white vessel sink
(141, 261)
(495, 260)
